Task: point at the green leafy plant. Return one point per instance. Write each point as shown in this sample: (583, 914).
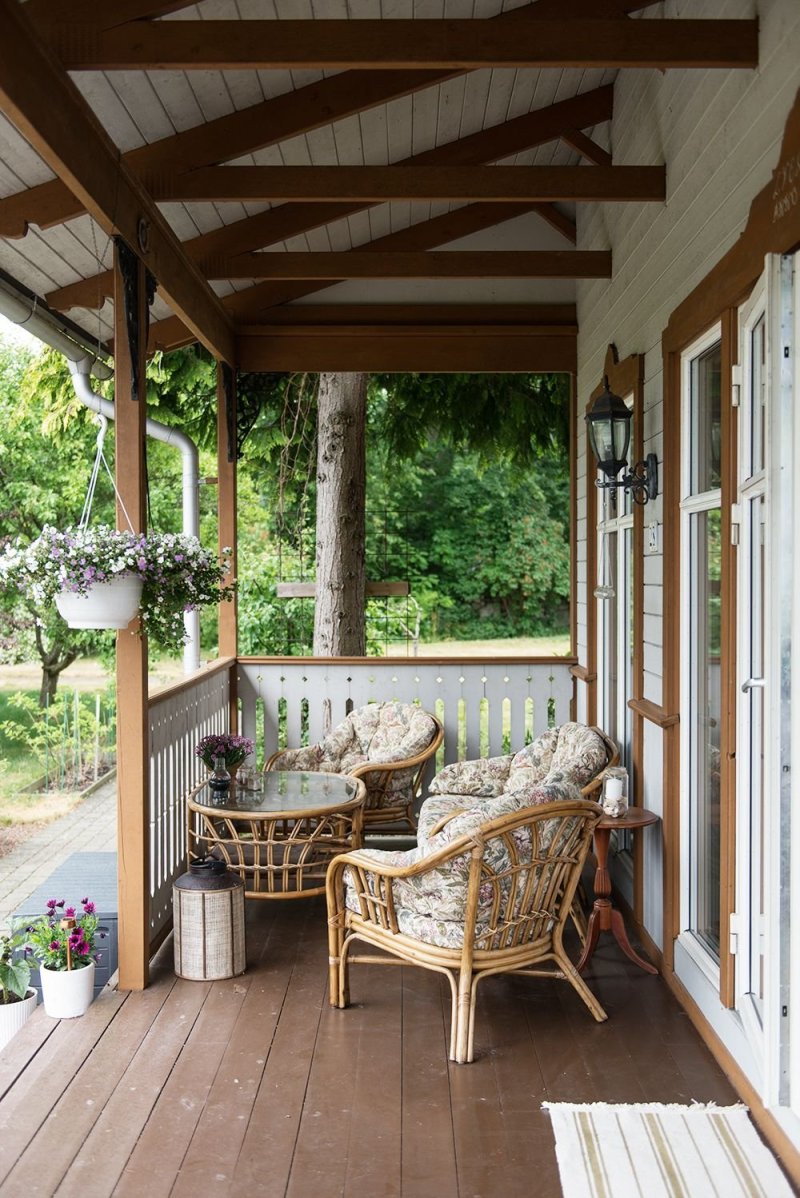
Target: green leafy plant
(177, 574)
(15, 969)
(63, 938)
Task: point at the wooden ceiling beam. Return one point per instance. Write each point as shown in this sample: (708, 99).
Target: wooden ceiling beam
(107, 15)
(408, 44)
(586, 147)
(46, 107)
(290, 220)
(382, 184)
(447, 264)
(298, 112)
(543, 317)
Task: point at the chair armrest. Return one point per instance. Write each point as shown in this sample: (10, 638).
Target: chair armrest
(294, 759)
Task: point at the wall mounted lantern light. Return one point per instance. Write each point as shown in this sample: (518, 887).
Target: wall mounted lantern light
(609, 426)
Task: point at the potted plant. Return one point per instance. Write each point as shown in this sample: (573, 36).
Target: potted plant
(17, 997)
(62, 940)
(224, 744)
(100, 577)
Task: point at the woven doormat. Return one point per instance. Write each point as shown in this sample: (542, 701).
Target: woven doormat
(653, 1150)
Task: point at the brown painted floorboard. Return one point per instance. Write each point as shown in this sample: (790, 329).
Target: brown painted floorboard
(255, 1087)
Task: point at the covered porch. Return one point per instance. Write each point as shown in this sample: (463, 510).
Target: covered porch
(627, 223)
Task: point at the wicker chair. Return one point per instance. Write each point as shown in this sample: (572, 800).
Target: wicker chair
(488, 893)
(387, 745)
(562, 763)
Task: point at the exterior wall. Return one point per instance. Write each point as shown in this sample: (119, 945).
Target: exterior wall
(720, 134)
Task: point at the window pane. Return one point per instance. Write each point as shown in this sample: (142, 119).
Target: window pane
(705, 447)
(757, 407)
(706, 726)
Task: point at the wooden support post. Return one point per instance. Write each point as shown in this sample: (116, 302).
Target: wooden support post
(133, 750)
(226, 501)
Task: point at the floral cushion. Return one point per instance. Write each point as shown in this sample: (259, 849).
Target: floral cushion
(379, 732)
(484, 778)
(573, 752)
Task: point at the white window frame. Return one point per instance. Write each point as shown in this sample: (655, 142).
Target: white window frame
(691, 505)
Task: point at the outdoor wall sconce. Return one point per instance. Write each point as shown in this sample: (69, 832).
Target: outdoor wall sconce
(609, 428)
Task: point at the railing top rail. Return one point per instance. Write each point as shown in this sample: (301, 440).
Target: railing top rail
(176, 688)
(484, 659)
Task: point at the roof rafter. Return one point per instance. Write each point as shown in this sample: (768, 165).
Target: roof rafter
(108, 15)
(446, 264)
(49, 111)
(406, 44)
(381, 184)
(275, 120)
(290, 220)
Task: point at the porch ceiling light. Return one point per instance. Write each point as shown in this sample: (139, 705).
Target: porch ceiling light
(609, 427)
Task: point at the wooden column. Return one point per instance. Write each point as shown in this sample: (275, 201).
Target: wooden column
(133, 755)
(226, 499)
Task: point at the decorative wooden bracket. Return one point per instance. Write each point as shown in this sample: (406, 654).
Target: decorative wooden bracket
(129, 267)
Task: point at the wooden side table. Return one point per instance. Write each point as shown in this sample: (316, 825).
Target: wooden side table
(604, 916)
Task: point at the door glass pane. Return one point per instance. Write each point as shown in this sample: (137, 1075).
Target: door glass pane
(756, 408)
(706, 473)
(706, 557)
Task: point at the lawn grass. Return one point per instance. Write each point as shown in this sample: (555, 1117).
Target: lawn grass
(18, 766)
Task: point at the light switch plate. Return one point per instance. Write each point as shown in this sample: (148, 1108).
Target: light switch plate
(652, 537)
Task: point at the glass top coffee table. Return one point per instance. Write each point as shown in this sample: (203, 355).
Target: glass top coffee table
(279, 832)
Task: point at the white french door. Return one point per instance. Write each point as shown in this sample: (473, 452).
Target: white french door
(748, 925)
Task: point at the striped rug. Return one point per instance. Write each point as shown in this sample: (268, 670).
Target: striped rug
(662, 1151)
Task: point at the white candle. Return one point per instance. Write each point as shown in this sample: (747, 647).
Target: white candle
(613, 788)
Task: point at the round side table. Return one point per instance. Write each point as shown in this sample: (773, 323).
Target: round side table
(604, 916)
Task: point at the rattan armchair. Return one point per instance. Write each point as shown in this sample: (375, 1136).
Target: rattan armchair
(387, 746)
(481, 897)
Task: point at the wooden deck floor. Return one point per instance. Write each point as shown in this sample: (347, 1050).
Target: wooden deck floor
(256, 1087)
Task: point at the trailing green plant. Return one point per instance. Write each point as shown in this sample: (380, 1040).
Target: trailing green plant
(15, 966)
(177, 573)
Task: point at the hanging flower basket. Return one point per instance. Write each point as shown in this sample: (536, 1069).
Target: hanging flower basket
(111, 604)
(171, 572)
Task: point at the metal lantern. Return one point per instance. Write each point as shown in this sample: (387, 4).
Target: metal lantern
(609, 427)
(208, 911)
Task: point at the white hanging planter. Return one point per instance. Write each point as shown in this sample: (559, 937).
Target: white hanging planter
(67, 993)
(14, 1014)
(110, 604)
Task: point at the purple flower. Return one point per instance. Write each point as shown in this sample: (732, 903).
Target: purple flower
(98, 956)
(88, 907)
(51, 904)
(54, 946)
(70, 913)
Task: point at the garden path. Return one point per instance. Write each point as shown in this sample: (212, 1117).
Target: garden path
(91, 826)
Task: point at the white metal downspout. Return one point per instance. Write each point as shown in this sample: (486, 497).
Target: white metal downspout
(41, 323)
(80, 371)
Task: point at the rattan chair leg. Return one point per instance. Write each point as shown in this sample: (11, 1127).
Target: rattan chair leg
(463, 1018)
(572, 975)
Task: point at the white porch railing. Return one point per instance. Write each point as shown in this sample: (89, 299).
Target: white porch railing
(179, 716)
(486, 708)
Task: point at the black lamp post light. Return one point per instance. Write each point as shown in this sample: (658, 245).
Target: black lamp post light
(609, 427)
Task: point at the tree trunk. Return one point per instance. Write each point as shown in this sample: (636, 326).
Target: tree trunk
(53, 660)
(339, 614)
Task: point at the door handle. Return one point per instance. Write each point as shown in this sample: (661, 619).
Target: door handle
(751, 684)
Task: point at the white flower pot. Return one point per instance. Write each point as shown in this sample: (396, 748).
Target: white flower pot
(67, 993)
(107, 605)
(14, 1014)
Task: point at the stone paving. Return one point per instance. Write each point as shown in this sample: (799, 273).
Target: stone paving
(91, 826)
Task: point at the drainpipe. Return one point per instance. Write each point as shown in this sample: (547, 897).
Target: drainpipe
(80, 372)
(83, 362)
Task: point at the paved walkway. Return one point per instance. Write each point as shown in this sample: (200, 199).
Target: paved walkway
(91, 826)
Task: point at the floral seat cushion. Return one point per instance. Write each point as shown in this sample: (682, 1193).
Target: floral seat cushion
(379, 733)
(430, 906)
(570, 755)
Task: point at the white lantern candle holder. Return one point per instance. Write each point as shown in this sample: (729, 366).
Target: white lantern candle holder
(614, 798)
